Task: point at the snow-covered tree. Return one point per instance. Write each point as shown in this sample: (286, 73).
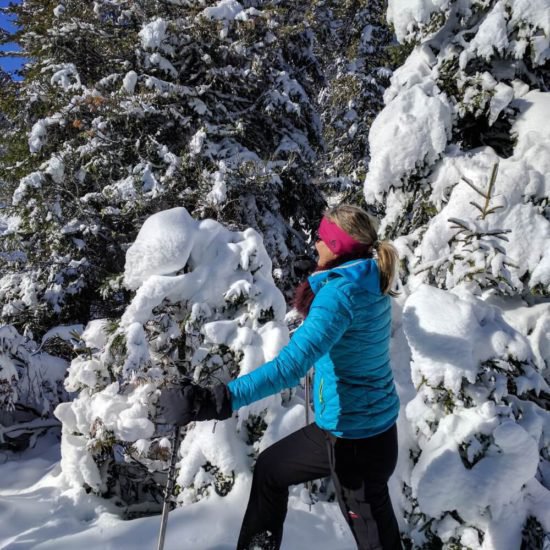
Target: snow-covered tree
(352, 45)
(128, 108)
(477, 471)
(206, 306)
(460, 166)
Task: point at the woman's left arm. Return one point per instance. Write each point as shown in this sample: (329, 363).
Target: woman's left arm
(329, 317)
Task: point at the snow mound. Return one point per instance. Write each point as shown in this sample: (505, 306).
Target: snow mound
(162, 246)
(411, 130)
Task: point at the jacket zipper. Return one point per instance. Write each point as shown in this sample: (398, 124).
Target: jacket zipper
(321, 402)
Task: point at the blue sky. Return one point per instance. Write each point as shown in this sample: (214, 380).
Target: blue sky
(9, 64)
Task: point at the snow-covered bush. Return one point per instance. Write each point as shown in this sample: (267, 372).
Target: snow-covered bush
(460, 165)
(205, 306)
(480, 460)
(31, 382)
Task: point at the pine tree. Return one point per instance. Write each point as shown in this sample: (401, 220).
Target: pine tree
(206, 307)
(462, 104)
(352, 43)
(130, 108)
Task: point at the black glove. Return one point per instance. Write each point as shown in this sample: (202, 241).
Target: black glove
(180, 405)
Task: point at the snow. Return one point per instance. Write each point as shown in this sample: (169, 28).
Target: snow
(218, 195)
(169, 240)
(129, 82)
(405, 15)
(492, 33)
(32, 181)
(163, 64)
(39, 132)
(451, 334)
(477, 448)
(68, 333)
(55, 167)
(531, 125)
(503, 95)
(411, 130)
(163, 246)
(223, 267)
(446, 355)
(153, 34)
(223, 271)
(225, 10)
(40, 512)
(66, 76)
(37, 136)
(534, 12)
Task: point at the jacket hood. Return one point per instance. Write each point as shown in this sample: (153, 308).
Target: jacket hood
(363, 273)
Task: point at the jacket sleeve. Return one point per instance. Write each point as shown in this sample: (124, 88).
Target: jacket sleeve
(329, 317)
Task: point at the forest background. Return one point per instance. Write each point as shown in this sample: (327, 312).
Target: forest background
(163, 167)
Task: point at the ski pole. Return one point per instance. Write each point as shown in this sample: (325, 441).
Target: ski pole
(169, 487)
(307, 396)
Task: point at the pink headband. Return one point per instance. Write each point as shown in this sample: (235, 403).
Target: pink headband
(337, 239)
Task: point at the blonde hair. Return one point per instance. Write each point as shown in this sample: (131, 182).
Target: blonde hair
(363, 228)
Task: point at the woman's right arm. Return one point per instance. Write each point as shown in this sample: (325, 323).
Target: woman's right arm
(329, 317)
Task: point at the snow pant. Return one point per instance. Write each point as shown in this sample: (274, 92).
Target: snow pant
(360, 469)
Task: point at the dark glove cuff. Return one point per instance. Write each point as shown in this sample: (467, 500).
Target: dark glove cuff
(222, 400)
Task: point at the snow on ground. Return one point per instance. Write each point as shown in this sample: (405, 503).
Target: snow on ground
(39, 513)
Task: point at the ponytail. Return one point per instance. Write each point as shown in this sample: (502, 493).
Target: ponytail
(387, 265)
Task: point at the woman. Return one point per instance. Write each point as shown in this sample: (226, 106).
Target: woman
(345, 335)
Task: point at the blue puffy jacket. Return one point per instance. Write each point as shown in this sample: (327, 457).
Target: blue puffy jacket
(346, 337)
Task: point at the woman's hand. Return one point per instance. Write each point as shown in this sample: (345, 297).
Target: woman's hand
(190, 402)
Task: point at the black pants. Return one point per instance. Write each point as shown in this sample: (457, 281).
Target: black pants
(360, 469)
